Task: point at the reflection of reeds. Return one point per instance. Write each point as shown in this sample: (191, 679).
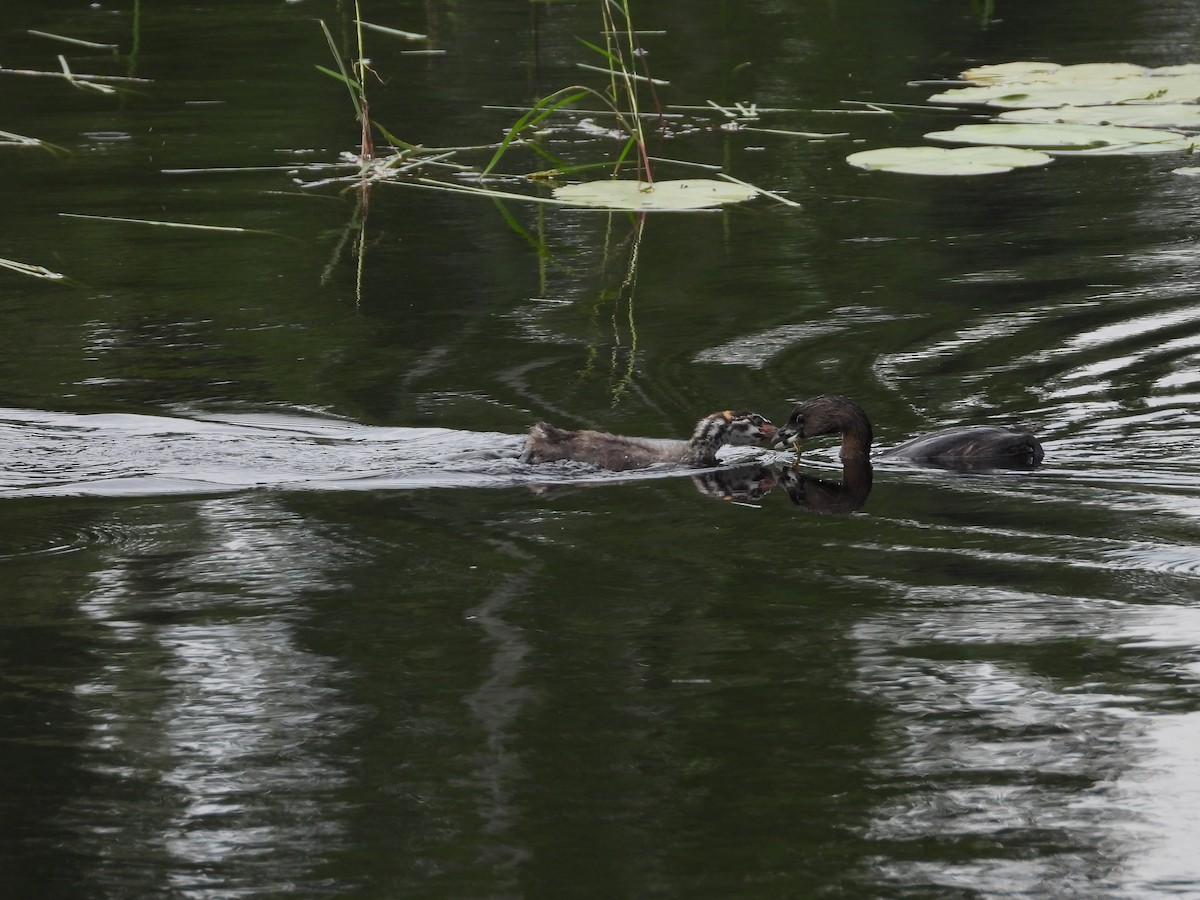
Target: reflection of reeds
(983, 9)
(83, 85)
(355, 80)
(356, 228)
(626, 294)
(622, 360)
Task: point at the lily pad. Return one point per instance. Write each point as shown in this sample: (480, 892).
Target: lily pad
(943, 161)
(1009, 72)
(1134, 89)
(1041, 71)
(1093, 139)
(1031, 72)
(1141, 115)
(693, 193)
(1184, 69)
(1098, 72)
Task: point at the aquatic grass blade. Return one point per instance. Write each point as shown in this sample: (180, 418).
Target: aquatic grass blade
(630, 144)
(83, 85)
(541, 110)
(393, 140)
(91, 45)
(560, 164)
(351, 83)
(611, 57)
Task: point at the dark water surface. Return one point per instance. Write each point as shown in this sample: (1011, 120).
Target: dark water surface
(282, 614)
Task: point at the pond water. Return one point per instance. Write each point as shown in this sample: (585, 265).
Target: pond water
(284, 615)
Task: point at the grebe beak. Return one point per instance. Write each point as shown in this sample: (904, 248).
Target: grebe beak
(792, 442)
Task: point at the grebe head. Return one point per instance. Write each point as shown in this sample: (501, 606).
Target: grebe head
(735, 427)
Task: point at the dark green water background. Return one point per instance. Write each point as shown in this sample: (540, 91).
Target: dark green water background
(975, 686)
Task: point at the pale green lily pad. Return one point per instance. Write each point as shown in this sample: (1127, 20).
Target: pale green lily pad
(1097, 72)
(1184, 69)
(942, 161)
(1133, 89)
(692, 193)
(1007, 73)
(1033, 95)
(1032, 72)
(1141, 115)
(1092, 139)
(1191, 171)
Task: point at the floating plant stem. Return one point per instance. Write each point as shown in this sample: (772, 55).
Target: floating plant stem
(778, 198)
(19, 140)
(632, 76)
(37, 73)
(31, 270)
(83, 85)
(603, 112)
(395, 32)
(70, 40)
(160, 224)
(808, 135)
(488, 192)
(686, 163)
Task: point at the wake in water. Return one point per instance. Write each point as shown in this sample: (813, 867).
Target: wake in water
(49, 453)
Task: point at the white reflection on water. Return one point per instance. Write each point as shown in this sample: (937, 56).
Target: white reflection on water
(496, 707)
(209, 723)
(1165, 792)
(238, 720)
(1011, 769)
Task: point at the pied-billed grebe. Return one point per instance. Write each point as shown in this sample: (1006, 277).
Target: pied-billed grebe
(613, 451)
(970, 446)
